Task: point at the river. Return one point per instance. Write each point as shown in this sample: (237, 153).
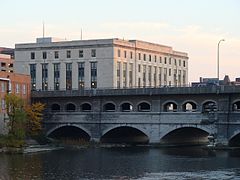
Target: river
(146, 163)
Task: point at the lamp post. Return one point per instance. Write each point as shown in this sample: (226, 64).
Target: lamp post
(218, 57)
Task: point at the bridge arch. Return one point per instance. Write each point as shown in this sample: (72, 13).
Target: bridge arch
(236, 105)
(170, 106)
(86, 107)
(55, 107)
(144, 106)
(189, 106)
(109, 106)
(126, 106)
(70, 106)
(234, 140)
(209, 105)
(66, 131)
(185, 135)
(124, 134)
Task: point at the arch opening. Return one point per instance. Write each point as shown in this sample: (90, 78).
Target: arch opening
(235, 141)
(236, 106)
(186, 136)
(109, 107)
(70, 107)
(170, 107)
(189, 107)
(144, 107)
(69, 133)
(125, 135)
(126, 107)
(55, 108)
(86, 107)
(209, 106)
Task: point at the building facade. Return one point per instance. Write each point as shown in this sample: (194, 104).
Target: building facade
(103, 63)
(11, 82)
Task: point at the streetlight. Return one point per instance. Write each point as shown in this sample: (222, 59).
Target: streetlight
(218, 57)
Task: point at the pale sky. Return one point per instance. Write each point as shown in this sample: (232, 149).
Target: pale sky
(192, 26)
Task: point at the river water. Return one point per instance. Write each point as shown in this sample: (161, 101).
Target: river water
(146, 163)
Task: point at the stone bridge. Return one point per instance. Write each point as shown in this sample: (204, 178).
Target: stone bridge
(170, 115)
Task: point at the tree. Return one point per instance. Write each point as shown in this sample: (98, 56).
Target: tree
(34, 118)
(16, 114)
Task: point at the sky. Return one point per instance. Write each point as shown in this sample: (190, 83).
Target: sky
(192, 26)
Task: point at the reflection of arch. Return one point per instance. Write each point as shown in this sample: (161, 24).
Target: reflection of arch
(185, 136)
(69, 131)
(126, 107)
(144, 106)
(109, 107)
(55, 107)
(124, 134)
(170, 106)
(209, 106)
(189, 106)
(236, 105)
(86, 107)
(234, 140)
(70, 107)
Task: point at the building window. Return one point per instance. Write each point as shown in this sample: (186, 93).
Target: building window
(3, 87)
(81, 53)
(150, 57)
(160, 59)
(33, 76)
(81, 75)
(184, 63)
(3, 104)
(144, 75)
(175, 62)
(68, 76)
(32, 55)
(139, 82)
(160, 76)
(170, 72)
(131, 54)
(155, 58)
(93, 74)
(24, 89)
(144, 57)
(139, 68)
(139, 56)
(119, 53)
(56, 54)
(125, 54)
(155, 76)
(56, 67)
(130, 75)
(165, 60)
(68, 54)
(179, 77)
(124, 74)
(170, 61)
(93, 53)
(150, 76)
(44, 76)
(118, 74)
(180, 62)
(165, 76)
(184, 77)
(44, 55)
(17, 88)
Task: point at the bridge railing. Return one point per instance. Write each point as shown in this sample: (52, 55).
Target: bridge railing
(137, 91)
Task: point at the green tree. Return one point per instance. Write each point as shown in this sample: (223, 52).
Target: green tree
(17, 116)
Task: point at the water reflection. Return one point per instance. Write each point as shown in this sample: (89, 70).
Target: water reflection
(121, 163)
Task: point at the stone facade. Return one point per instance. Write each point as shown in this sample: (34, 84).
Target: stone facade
(102, 63)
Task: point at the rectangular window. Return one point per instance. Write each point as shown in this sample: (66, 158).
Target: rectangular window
(33, 76)
(119, 53)
(160, 59)
(170, 72)
(125, 54)
(184, 78)
(160, 76)
(93, 74)
(3, 86)
(68, 54)
(155, 58)
(124, 75)
(139, 68)
(150, 76)
(93, 53)
(3, 104)
(139, 56)
(44, 76)
(175, 77)
(170, 61)
(184, 63)
(155, 76)
(17, 88)
(68, 76)
(56, 67)
(165, 60)
(44, 55)
(81, 74)
(150, 57)
(165, 76)
(180, 62)
(131, 54)
(139, 82)
(144, 57)
(56, 54)
(144, 75)
(24, 89)
(130, 75)
(175, 62)
(80, 53)
(118, 74)
(32, 55)
(179, 77)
